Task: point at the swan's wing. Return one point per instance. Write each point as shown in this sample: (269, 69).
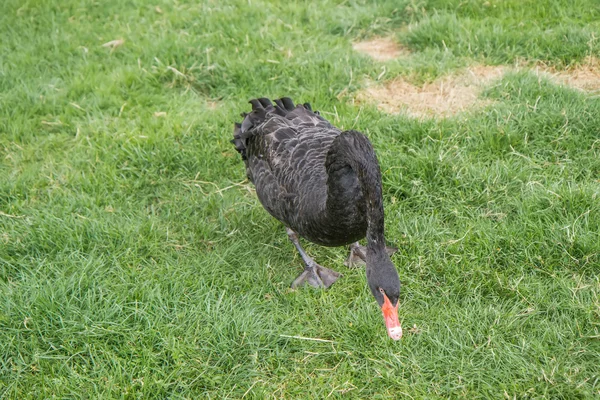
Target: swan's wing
(285, 147)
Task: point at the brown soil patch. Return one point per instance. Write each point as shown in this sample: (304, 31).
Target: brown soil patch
(380, 48)
(457, 93)
(585, 77)
(443, 97)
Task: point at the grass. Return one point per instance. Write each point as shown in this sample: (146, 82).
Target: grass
(135, 261)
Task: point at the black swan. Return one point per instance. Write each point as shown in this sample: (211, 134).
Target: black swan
(324, 185)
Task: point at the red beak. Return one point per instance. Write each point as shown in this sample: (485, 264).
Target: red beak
(390, 316)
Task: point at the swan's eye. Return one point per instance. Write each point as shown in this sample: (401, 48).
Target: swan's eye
(382, 291)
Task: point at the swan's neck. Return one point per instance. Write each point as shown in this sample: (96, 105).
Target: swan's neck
(352, 158)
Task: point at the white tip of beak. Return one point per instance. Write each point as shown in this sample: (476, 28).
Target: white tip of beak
(395, 332)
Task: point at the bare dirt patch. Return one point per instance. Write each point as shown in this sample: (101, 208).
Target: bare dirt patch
(455, 93)
(380, 48)
(585, 77)
(443, 97)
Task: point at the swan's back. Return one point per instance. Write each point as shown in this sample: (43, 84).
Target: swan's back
(284, 148)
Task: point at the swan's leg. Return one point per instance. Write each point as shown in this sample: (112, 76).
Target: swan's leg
(358, 255)
(313, 274)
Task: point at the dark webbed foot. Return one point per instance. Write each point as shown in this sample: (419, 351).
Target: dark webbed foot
(358, 255)
(314, 274)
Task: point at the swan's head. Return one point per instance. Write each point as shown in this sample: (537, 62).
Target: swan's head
(385, 286)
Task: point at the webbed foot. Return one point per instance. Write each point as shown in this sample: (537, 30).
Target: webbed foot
(358, 255)
(313, 274)
(316, 276)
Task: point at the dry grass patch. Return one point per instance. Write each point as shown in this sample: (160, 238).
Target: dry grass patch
(443, 97)
(380, 48)
(585, 77)
(452, 94)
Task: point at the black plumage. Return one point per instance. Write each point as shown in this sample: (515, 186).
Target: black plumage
(323, 184)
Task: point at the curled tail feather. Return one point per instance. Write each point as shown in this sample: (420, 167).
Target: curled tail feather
(260, 108)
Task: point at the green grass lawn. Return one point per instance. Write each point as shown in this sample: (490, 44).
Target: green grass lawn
(137, 262)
